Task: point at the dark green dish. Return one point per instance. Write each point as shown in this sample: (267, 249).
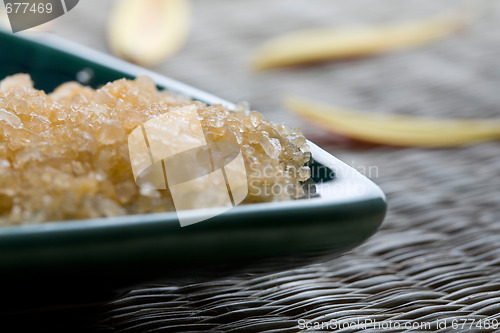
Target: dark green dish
(120, 250)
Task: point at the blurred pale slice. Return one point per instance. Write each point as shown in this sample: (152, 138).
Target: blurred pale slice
(395, 130)
(311, 46)
(147, 32)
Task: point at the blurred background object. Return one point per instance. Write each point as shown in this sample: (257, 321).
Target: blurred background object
(393, 129)
(147, 32)
(310, 46)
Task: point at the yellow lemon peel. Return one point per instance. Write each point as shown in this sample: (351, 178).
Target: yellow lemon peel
(311, 46)
(395, 130)
(147, 32)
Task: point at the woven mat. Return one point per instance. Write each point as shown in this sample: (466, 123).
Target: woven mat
(437, 255)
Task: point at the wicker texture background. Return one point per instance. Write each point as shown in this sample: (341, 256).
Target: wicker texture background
(437, 255)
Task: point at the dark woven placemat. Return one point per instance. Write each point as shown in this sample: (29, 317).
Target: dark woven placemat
(437, 255)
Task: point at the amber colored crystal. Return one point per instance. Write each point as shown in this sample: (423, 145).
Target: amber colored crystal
(64, 155)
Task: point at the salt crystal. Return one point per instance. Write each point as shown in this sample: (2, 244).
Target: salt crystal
(305, 172)
(271, 146)
(19, 81)
(255, 118)
(126, 191)
(66, 153)
(10, 118)
(109, 134)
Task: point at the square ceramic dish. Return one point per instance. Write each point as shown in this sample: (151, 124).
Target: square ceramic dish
(140, 247)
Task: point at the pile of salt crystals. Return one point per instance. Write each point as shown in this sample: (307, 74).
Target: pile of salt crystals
(64, 155)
